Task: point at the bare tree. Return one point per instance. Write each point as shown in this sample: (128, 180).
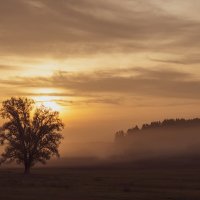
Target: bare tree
(30, 135)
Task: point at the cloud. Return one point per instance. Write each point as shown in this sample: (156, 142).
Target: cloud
(183, 60)
(69, 28)
(91, 101)
(141, 82)
(9, 67)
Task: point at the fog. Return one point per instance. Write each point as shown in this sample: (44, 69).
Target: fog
(147, 145)
(157, 143)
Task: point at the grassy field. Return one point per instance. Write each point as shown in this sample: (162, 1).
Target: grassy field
(95, 183)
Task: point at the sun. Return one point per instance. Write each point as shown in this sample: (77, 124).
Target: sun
(48, 102)
(53, 105)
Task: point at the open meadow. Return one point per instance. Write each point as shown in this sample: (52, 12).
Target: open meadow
(141, 181)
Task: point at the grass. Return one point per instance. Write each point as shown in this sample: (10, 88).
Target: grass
(95, 183)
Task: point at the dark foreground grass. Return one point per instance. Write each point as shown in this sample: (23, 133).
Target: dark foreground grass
(135, 183)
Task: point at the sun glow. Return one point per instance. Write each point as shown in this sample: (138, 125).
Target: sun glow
(48, 97)
(48, 101)
(53, 105)
(46, 91)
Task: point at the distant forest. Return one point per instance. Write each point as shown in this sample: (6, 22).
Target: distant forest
(159, 126)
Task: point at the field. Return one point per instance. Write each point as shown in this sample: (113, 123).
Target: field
(136, 182)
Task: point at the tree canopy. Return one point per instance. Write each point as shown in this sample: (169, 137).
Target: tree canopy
(30, 134)
(160, 125)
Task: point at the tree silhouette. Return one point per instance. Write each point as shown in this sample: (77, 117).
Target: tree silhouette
(131, 131)
(167, 124)
(119, 135)
(30, 134)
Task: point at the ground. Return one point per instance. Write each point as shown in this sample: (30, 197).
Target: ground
(94, 183)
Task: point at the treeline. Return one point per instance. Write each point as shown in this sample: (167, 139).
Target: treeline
(160, 125)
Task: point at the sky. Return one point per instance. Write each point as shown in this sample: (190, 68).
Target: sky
(105, 65)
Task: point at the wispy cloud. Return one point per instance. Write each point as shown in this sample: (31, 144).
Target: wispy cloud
(190, 59)
(63, 28)
(133, 82)
(10, 68)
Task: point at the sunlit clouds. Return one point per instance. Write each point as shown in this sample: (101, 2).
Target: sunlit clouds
(102, 64)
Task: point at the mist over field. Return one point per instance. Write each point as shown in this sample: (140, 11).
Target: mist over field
(143, 146)
(83, 83)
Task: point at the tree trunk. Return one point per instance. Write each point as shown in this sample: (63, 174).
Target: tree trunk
(26, 168)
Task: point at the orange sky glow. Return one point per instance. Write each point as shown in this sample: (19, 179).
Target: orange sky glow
(104, 65)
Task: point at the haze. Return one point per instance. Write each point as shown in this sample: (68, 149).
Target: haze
(104, 65)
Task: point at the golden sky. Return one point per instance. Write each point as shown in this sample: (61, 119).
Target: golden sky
(104, 64)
